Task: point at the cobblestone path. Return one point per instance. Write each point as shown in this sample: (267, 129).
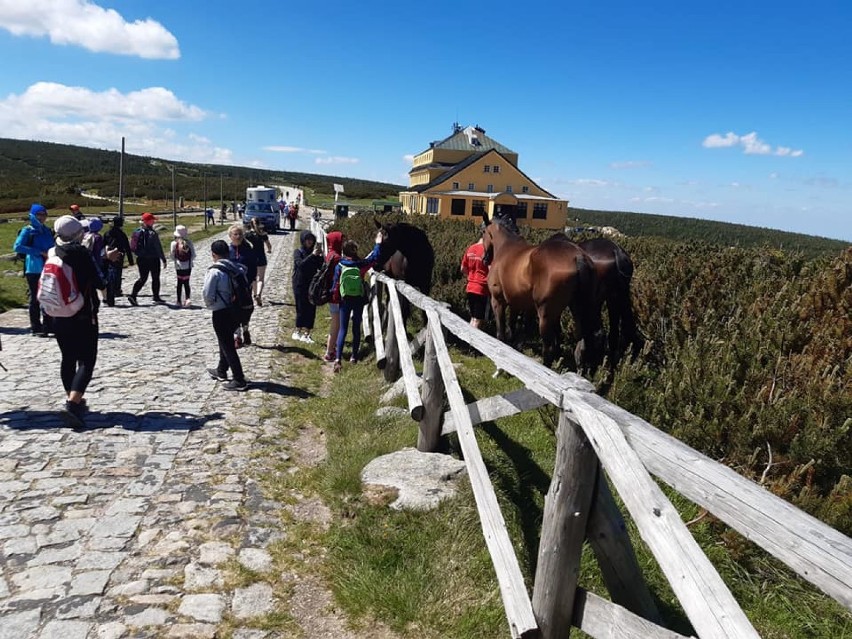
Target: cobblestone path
(124, 530)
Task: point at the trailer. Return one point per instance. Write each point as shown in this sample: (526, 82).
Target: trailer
(262, 194)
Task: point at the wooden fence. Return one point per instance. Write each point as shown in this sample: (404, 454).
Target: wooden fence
(594, 434)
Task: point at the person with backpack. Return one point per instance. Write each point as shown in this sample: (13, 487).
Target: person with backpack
(182, 251)
(242, 252)
(259, 239)
(145, 243)
(34, 241)
(334, 241)
(352, 289)
(224, 285)
(307, 260)
(117, 246)
(67, 292)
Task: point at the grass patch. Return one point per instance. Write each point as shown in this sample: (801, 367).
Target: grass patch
(430, 575)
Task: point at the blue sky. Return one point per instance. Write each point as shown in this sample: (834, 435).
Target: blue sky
(733, 111)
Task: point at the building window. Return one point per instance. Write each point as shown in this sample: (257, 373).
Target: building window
(540, 211)
(496, 168)
(455, 186)
(478, 209)
(525, 189)
(432, 206)
(457, 206)
(508, 188)
(490, 188)
(521, 211)
(471, 186)
(486, 168)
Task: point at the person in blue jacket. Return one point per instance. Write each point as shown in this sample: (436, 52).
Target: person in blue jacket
(34, 241)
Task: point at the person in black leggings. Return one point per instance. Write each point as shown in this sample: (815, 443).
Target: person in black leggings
(77, 335)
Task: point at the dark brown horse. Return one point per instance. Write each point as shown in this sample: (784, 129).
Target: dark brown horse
(613, 272)
(544, 279)
(406, 254)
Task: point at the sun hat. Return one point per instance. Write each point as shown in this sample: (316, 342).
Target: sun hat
(180, 231)
(149, 218)
(68, 227)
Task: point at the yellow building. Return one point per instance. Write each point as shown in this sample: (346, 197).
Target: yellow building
(468, 174)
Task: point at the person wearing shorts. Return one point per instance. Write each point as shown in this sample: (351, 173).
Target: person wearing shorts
(473, 266)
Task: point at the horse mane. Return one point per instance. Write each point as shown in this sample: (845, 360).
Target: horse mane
(507, 223)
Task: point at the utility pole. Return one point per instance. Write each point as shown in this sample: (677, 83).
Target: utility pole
(121, 182)
(204, 174)
(174, 198)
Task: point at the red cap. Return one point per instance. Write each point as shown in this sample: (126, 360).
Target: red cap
(147, 218)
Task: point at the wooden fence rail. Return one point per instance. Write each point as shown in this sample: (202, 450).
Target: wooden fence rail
(594, 434)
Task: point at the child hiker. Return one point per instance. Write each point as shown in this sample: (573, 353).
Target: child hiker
(350, 285)
(182, 251)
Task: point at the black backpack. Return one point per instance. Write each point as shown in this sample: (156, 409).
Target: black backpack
(319, 292)
(241, 299)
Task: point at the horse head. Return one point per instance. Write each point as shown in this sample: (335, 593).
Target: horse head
(495, 233)
(406, 249)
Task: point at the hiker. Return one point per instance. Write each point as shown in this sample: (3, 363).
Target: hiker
(118, 246)
(145, 243)
(349, 283)
(182, 251)
(259, 239)
(34, 241)
(474, 267)
(307, 260)
(76, 332)
(334, 241)
(293, 215)
(76, 212)
(218, 293)
(242, 252)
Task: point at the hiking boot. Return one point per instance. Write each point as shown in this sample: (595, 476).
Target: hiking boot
(246, 337)
(72, 415)
(235, 385)
(215, 374)
(132, 300)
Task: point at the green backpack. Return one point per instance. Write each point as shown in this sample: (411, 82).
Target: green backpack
(351, 282)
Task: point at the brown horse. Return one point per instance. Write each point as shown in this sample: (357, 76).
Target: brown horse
(613, 272)
(545, 279)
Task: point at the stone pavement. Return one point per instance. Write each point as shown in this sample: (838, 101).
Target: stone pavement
(123, 530)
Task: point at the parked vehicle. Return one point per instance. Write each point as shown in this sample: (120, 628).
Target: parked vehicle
(264, 194)
(265, 212)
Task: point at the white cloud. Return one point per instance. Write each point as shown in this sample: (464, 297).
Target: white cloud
(409, 157)
(293, 149)
(630, 164)
(85, 24)
(77, 115)
(588, 182)
(336, 160)
(751, 144)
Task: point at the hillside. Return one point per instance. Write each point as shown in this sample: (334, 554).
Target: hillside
(56, 173)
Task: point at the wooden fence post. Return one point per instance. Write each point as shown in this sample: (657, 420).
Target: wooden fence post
(566, 512)
(391, 369)
(429, 434)
(608, 537)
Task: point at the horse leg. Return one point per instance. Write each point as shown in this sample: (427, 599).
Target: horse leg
(548, 329)
(499, 309)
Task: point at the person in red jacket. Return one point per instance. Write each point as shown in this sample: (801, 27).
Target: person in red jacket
(334, 240)
(476, 270)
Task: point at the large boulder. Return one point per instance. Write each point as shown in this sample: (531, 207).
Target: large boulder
(420, 480)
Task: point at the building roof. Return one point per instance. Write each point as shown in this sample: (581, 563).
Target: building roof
(471, 138)
(476, 157)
